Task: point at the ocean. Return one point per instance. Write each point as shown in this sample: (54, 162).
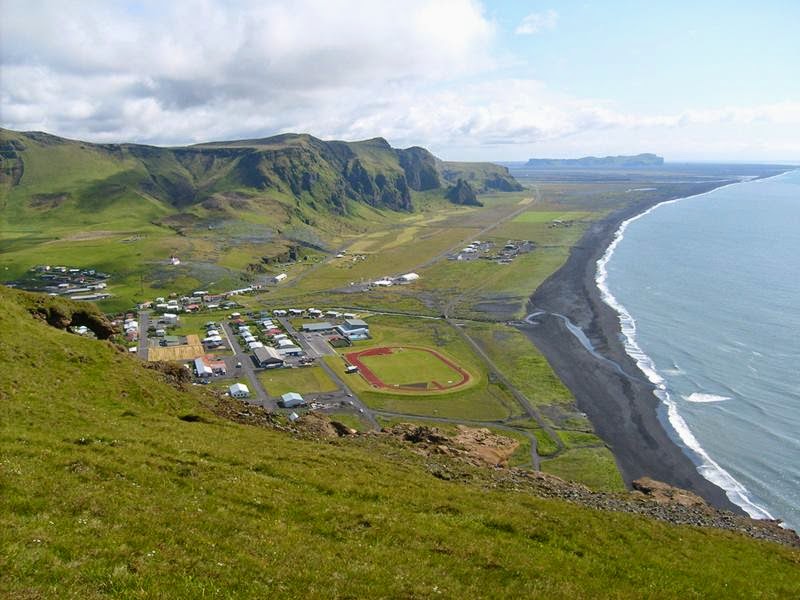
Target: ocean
(708, 292)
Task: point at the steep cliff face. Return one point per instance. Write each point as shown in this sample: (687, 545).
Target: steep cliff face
(483, 177)
(326, 175)
(421, 168)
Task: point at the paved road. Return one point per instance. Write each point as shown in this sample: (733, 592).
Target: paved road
(144, 325)
(345, 394)
(521, 399)
(260, 396)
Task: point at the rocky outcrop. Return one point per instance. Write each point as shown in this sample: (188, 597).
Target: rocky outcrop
(475, 446)
(463, 194)
(62, 314)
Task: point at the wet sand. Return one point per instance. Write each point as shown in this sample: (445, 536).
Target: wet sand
(610, 389)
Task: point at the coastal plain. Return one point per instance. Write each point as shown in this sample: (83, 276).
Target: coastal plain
(523, 318)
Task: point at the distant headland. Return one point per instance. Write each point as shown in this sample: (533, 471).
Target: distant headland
(593, 162)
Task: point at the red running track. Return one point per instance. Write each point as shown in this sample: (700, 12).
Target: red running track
(354, 359)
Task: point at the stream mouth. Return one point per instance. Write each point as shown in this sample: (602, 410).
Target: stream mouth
(584, 340)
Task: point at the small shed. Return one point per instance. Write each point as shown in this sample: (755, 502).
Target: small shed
(239, 390)
(291, 400)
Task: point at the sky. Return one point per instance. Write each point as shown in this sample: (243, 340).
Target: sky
(468, 79)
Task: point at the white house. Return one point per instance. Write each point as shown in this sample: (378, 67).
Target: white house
(239, 390)
(254, 345)
(201, 368)
(170, 318)
(279, 278)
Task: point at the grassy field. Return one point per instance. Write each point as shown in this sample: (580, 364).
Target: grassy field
(408, 366)
(108, 490)
(480, 400)
(594, 467)
(522, 364)
(303, 380)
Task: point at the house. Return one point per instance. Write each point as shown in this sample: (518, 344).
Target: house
(279, 278)
(201, 368)
(291, 400)
(172, 340)
(279, 313)
(212, 333)
(332, 314)
(354, 329)
(217, 365)
(349, 316)
(296, 312)
(254, 345)
(268, 358)
(169, 318)
(314, 313)
(317, 327)
(285, 343)
(239, 390)
(206, 366)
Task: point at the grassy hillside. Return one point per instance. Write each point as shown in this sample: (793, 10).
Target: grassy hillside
(106, 491)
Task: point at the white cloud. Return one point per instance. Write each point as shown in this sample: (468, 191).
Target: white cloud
(421, 72)
(537, 22)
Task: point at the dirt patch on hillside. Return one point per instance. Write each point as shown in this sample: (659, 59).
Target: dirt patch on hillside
(87, 236)
(48, 201)
(478, 447)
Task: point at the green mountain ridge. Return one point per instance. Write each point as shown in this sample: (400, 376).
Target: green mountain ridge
(116, 483)
(327, 174)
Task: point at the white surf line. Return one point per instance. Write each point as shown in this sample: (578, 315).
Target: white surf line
(708, 467)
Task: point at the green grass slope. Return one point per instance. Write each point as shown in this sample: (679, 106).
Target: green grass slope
(107, 492)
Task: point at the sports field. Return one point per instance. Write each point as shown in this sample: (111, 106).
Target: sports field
(408, 368)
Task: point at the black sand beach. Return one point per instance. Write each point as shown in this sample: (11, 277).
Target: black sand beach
(621, 407)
